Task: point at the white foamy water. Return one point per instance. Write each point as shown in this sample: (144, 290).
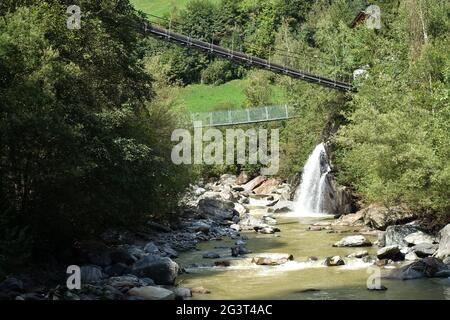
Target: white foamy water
(309, 197)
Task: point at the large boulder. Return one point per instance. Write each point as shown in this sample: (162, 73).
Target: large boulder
(418, 237)
(199, 226)
(427, 267)
(282, 207)
(379, 217)
(353, 241)
(444, 243)
(272, 259)
(91, 274)
(268, 186)
(161, 269)
(423, 249)
(395, 235)
(353, 219)
(243, 178)
(219, 208)
(152, 293)
(390, 252)
(227, 179)
(252, 184)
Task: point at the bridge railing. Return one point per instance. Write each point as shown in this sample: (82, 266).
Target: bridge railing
(241, 116)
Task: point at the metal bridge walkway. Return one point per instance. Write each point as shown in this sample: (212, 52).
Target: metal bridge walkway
(241, 116)
(242, 58)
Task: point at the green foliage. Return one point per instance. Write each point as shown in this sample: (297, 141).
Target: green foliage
(82, 146)
(219, 72)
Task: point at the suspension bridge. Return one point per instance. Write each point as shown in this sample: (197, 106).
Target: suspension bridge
(242, 58)
(241, 116)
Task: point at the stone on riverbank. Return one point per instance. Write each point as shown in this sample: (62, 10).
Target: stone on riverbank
(395, 235)
(218, 208)
(152, 293)
(429, 267)
(379, 217)
(252, 184)
(272, 259)
(418, 238)
(358, 254)
(390, 252)
(161, 269)
(353, 241)
(334, 261)
(444, 243)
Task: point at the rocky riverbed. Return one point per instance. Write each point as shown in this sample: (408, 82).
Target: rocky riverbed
(242, 224)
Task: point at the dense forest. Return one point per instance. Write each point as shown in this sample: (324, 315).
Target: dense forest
(86, 115)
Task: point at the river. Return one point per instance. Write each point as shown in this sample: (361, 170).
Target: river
(293, 280)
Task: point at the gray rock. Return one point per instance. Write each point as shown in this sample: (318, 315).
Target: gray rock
(353, 241)
(211, 255)
(444, 243)
(423, 250)
(266, 229)
(272, 259)
(429, 267)
(411, 256)
(395, 235)
(334, 261)
(282, 207)
(152, 293)
(161, 269)
(418, 238)
(219, 208)
(252, 184)
(358, 254)
(124, 282)
(269, 220)
(91, 274)
(135, 251)
(199, 226)
(182, 293)
(379, 217)
(240, 209)
(151, 248)
(235, 227)
(168, 251)
(390, 252)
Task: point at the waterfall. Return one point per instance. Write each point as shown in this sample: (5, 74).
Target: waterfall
(310, 196)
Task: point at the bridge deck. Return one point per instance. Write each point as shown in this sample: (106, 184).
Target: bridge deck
(243, 58)
(241, 116)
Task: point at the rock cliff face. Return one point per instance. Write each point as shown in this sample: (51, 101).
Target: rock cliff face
(337, 199)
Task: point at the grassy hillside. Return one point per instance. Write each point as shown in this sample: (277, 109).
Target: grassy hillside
(158, 7)
(202, 98)
(199, 97)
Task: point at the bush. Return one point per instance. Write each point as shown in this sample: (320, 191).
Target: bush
(218, 72)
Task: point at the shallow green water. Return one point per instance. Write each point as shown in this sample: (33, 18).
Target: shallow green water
(248, 281)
